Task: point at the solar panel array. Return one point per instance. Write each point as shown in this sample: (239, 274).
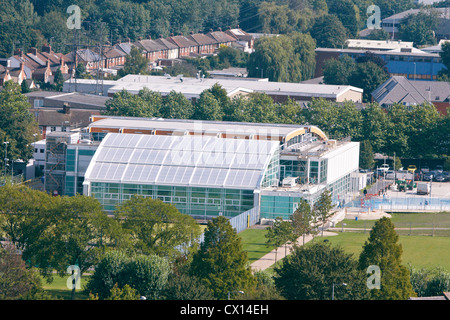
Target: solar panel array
(181, 160)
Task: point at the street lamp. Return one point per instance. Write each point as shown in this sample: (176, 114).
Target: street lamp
(229, 292)
(332, 291)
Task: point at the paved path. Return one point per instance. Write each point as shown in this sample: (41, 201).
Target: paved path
(269, 259)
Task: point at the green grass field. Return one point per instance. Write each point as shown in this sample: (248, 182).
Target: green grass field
(254, 242)
(419, 251)
(59, 291)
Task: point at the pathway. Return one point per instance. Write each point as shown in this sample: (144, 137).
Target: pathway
(269, 259)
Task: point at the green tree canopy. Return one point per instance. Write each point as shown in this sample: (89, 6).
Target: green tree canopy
(17, 124)
(157, 227)
(329, 32)
(383, 250)
(220, 263)
(309, 273)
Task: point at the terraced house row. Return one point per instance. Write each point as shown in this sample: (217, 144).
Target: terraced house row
(35, 65)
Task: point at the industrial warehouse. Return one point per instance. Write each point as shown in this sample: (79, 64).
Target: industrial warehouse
(204, 168)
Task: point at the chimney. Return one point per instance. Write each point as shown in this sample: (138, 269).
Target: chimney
(149, 37)
(33, 51)
(22, 66)
(66, 108)
(18, 52)
(46, 48)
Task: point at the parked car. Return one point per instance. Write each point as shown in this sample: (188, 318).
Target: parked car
(412, 168)
(439, 168)
(442, 177)
(424, 169)
(429, 176)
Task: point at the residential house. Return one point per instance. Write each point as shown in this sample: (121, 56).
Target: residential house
(205, 44)
(244, 40)
(113, 57)
(186, 46)
(398, 89)
(153, 50)
(221, 38)
(90, 59)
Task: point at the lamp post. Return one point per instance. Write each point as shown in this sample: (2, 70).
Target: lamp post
(229, 292)
(332, 291)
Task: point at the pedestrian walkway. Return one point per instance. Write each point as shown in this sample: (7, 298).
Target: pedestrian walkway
(269, 259)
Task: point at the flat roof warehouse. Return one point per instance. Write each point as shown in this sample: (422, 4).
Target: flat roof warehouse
(193, 87)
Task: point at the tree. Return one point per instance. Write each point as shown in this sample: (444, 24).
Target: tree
(348, 14)
(185, 287)
(135, 63)
(301, 221)
(368, 76)
(366, 160)
(157, 227)
(264, 289)
(148, 275)
(145, 275)
(125, 293)
(374, 126)
(109, 272)
(17, 123)
(309, 273)
(429, 282)
(338, 71)
(17, 281)
(419, 28)
(289, 58)
(73, 232)
(383, 250)
(207, 107)
(58, 80)
(220, 263)
(445, 56)
(278, 234)
(323, 207)
(176, 106)
(329, 32)
(125, 104)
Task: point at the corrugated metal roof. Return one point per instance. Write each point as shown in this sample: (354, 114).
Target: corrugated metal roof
(181, 160)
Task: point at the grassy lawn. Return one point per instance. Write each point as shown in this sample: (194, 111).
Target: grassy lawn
(419, 251)
(58, 288)
(408, 222)
(254, 242)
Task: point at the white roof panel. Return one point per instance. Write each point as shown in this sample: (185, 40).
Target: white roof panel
(181, 160)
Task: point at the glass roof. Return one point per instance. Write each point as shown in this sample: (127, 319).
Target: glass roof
(181, 160)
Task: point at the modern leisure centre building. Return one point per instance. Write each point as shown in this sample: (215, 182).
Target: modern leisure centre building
(206, 168)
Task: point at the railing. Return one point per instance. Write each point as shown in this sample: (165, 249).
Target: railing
(407, 204)
(241, 222)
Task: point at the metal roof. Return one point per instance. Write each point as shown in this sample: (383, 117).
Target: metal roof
(181, 160)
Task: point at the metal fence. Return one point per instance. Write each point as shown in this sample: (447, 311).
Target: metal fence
(407, 204)
(241, 222)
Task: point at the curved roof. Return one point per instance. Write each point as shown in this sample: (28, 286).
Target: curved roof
(181, 160)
